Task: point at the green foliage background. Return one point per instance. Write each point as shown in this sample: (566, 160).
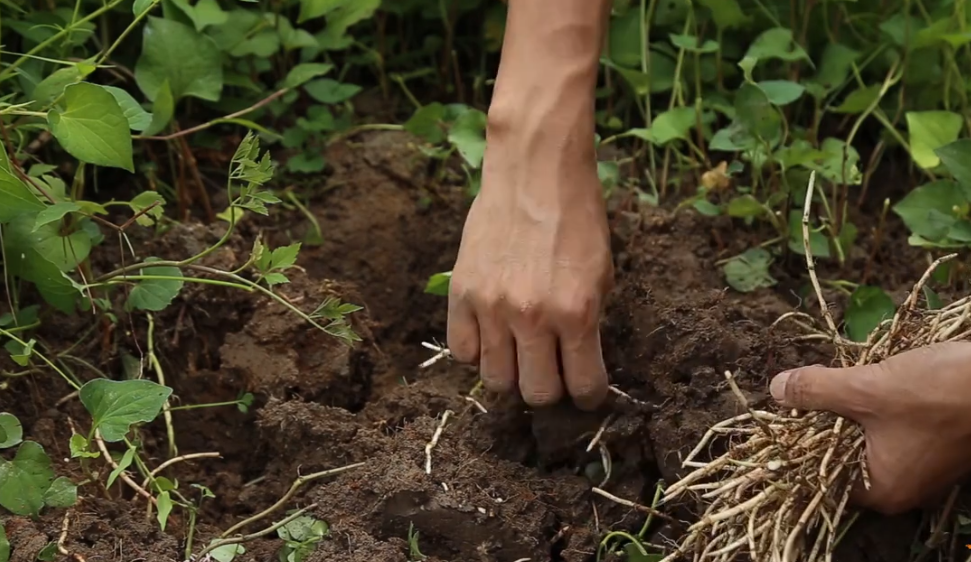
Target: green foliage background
(103, 103)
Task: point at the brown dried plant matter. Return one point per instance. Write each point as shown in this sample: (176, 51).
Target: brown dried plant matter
(780, 492)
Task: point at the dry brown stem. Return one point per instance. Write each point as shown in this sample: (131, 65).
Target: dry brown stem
(780, 492)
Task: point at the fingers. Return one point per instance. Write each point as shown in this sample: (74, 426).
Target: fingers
(583, 369)
(847, 392)
(497, 355)
(463, 329)
(539, 373)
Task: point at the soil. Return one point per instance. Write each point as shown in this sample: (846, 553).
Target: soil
(507, 484)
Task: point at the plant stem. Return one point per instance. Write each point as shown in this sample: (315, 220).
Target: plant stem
(166, 407)
(57, 36)
(131, 27)
(43, 358)
(238, 540)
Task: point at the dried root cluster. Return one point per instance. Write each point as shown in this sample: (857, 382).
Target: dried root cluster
(780, 492)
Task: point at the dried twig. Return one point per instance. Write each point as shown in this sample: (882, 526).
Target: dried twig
(431, 444)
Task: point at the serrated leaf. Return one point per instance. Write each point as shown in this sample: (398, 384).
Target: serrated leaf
(92, 127)
(138, 118)
(177, 53)
(275, 278)
(62, 493)
(155, 294)
(25, 479)
(11, 431)
(868, 307)
(143, 201)
(116, 405)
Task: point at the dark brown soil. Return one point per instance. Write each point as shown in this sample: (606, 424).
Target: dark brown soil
(506, 485)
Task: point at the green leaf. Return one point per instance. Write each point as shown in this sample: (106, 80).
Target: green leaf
(341, 15)
(693, 44)
(141, 5)
(20, 352)
(65, 252)
(25, 479)
(956, 157)
(80, 448)
(164, 507)
(930, 130)
(868, 307)
(673, 124)
(818, 242)
(155, 294)
(305, 72)
(16, 199)
(92, 127)
(777, 43)
(756, 113)
(4, 545)
(50, 88)
(330, 91)
(782, 92)
(838, 162)
(749, 271)
(726, 13)
(226, 553)
(745, 206)
(55, 213)
(11, 431)
(934, 301)
(706, 207)
(285, 257)
(123, 464)
(834, 68)
(48, 553)
(188, 60)
(928, 210)
(62, 493)
(306, 163)
(150, 200)
(438, 284)
(426, 123)
(859, 100)
(138, 118)
(468, 135)
(163, 109)
(116, 405)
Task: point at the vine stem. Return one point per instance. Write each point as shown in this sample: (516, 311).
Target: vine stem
(300, 481)
(229, 117)
(167, 406)
(54, 38)
(239, 540)
(43, 358)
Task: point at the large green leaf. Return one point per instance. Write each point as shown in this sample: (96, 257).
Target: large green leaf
(11, 431)
(42, 256)
(116, 405)
(25, 480)
(468, 135)
(756, 113)
(53, 86)
(930, 130)
(956, 157)
(189, 60)
(928, 210)
(16, 199)
(62, 493)
(92, 127)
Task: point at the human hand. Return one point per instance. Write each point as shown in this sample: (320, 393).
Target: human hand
(532, 270)
(915, 409)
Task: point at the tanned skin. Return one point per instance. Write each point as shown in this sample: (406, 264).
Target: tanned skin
(534, 266)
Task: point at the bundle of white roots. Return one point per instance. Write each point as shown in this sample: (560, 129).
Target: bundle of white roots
(780, 492)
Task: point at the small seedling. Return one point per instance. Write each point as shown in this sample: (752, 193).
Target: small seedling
(300, 537)
(414, 552)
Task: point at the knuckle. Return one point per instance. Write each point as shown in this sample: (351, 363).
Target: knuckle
(580, 310)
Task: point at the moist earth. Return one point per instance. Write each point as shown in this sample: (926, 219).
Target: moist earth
(506, 483)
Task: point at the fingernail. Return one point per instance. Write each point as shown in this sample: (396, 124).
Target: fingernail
(778, 386)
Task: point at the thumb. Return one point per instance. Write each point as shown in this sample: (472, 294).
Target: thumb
(844, 392)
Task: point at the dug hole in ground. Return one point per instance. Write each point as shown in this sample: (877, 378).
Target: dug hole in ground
(506, 484)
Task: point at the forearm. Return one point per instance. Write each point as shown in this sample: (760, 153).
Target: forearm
(544, 91)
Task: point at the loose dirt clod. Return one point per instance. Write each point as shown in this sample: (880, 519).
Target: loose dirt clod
(780, 491)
